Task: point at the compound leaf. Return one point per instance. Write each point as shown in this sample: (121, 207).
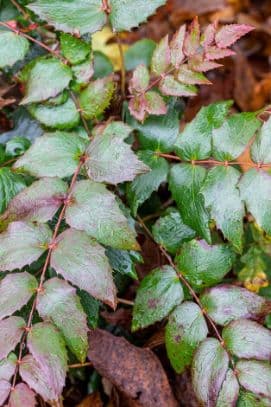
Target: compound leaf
(230, 33)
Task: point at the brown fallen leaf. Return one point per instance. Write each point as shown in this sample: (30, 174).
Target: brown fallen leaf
(92, 400)
(136, 372)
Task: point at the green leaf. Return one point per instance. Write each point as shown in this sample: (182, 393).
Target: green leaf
(58, 300)
(53, 155)
(75, 50)
(23, 243)
(127, 14)
(139, 53)
(102, 65)
(170, 231)
(144, 185)
(229, 392)
(223, 200)
(96, 97)
(95, 210)
(258, 204)
(82, 261)
(37, 203)
(59, 117)
(15, 291)
(226, 303)
(260, 150)
(83, 73)
(185, 329)
(10, 185)
(255, 376)
(194, 143)
(209, 369)
(91, 308)
(231, 139)
(161, 57)
(248, 340)
(123, 262)
(46, 79)
(13, 48)
(247, 399)
(204, 265)
(110, 159)
(185, 183)
(159, 292)
(17, 146)
(21, 395)
(85, 16)
(169, 86)
(11, 329)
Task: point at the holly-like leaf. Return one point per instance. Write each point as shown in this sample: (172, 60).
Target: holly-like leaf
(127, 14)
(144, 185)
(58, 300)
(53, 155)
(194, 143)
(46, 79)
(213, 53)
(170, 231)
(96, 97)
(61, 117)
(259, 204)
(176, 47)
(255, 376)
(230, 140)
(140, 79)
(10, 185)
(82, 261)
(5, 388)
(155, 103)
(226, 303)
(110, 159)
(13, 48)
(169, 86)
(23, 243)
(95, 210)
(208, 36)
(209, 369)
(189, 77)
(37, 203)
(159, 292)
(75, 50)
(229, 392)
(161, 57)
(185, 183)
(223, 199)
(21, 395)
(11, 330)
(260, 150)
(15, 291)
(230, 33)
(192, 38)
(185, 329)
(204, 265)
(85, 16)
(248, 340)
(199, 64)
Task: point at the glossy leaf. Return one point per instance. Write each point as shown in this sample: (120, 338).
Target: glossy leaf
(110, 159)
(194, 143)
(185, 329)
(185, 183)
(229, 392)
(204, 265)
(226, 303)
(15, 291)
(96, 97)
(22, 243)
(53, 155)
(75, 50)
(159, 292)
(46, 79)
(13, 48)
(176, 47)
(58, 300)
(11, 330)
(260, 149)
(223, 199)
(94, 209)
(248, 340)
(144, 185)
(169, 86)
(82, 261)
(161, 57)
(21, 395)
(10, 185)
(255, 376)
(230, 33)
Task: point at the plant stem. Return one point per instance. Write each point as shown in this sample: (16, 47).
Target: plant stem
(20, 9)
(123, 301)
(122, 66)
(78, 365)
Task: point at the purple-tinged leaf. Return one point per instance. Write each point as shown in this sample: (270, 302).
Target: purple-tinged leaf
(255, 376)
(161, 57)
(5, 387)
(8, 366)
(155, 103)
(140, 79)
(248, 340)
(176, 47)
(208, 36)
(230, 33)
(192, 38)
(82, 261)
(201, 65)
(37, 203)
(11, 330)
(22, 396)
(169, 86)
(209, 369)
(58, 300)
(15, 291)
(22, 243)
(213, 52)
(190, 77)
(47, 346)
(137, 107)
(226, 303)
(229, 392)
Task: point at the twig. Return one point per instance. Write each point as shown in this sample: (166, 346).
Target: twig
(79, 365)
(122, 66)
(123, 301)
(20, 9)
